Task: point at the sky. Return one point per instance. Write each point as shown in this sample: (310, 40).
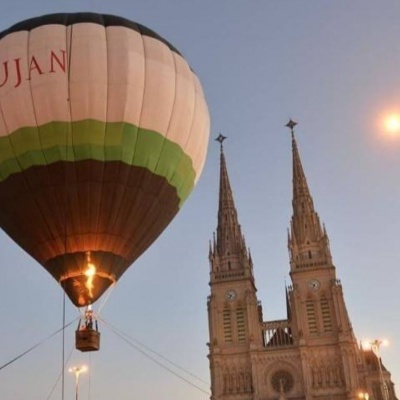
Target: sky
(332, 66)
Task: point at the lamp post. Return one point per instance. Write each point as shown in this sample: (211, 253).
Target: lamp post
(375, 347)
(77, 371)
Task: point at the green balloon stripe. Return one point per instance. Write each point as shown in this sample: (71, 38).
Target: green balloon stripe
(96, 140)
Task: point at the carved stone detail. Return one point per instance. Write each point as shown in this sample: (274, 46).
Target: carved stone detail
(282, 381)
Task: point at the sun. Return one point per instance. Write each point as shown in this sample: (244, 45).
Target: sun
(392, 124)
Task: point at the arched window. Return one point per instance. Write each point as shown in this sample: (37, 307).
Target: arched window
(240, 323)
(227, 325)
(311, 316)
(326, 314)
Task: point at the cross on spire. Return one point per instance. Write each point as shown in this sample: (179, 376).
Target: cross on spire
(291, 124)
(220, 139)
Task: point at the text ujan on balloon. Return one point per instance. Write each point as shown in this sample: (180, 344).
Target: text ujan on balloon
(15, 71)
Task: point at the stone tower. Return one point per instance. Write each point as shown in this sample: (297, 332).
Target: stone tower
(313, 353)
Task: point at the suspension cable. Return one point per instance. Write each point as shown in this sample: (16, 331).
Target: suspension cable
(63, 351)
(90, 376)
(61, 375)
(36, 345)
(104, 301)
(130, 341)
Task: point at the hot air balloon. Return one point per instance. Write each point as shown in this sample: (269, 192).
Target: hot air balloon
(103, 135)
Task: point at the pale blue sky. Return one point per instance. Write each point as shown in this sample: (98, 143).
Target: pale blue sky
(333, 66)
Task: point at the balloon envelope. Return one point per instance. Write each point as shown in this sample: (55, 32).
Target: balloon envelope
(103, 135)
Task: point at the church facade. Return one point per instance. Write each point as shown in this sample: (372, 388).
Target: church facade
(312, 353)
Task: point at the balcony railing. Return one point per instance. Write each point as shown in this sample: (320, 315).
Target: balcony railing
(277, 333)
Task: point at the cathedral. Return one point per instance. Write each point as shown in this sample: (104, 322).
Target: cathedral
(312, 353)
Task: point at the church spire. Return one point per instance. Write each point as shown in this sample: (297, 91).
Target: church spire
(308, 241)
(229, 236)
(300, 187)
(229, 250)
(226, 203)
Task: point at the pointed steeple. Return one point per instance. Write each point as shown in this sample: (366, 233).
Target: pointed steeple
(229, 252)
(300, 187)
(225, 192)
(229, 235)
(308, 240)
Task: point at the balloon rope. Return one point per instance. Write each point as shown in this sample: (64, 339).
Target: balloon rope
(66, 206)
(63, 352)
(60, 375)
(129, 340)
(36, 345)
(104, 301)
(90, 376)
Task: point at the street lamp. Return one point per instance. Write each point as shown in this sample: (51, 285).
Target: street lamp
(375, 346)
(77, 371)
